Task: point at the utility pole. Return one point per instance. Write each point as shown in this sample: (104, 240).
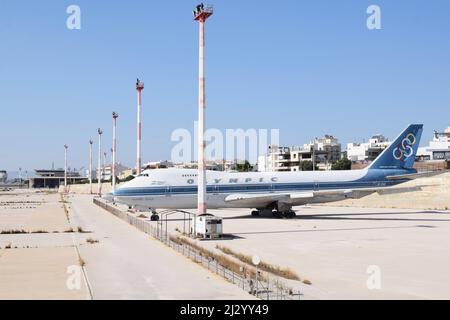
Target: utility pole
(201, 14)
(139, 89)
(114, 151)
(99, 168)
(90, 165)
(66, 147)
(104, 165)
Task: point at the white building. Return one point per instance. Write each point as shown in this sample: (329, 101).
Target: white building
(107, 171)
(219, 165)
(359, 152)
(158, 165)
(321, 151)
(438, 149)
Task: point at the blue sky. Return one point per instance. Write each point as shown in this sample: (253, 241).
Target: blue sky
(306, 67)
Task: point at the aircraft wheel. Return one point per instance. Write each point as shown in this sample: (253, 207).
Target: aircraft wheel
(255, 213)
(277, 214)
(291, 215)
(154, 217)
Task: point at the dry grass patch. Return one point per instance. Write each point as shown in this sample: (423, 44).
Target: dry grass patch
(14, 232)
(222, 260)
(39, 232)
(92, 241)
(267, 267)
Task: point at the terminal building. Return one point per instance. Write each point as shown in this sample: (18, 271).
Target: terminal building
(52, 179)
(323, 152)
(438, 149)
(368, 151)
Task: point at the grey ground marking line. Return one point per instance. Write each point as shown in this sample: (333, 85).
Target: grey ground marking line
(77, 250)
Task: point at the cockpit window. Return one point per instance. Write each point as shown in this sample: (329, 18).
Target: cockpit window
(144, 175)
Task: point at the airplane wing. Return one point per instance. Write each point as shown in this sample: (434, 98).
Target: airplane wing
(300, 198)
(264, 200)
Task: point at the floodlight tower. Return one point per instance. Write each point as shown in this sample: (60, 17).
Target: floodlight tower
(114, 151)
(201, 14)
(104, 165)
(91, 142)
(99, 167)
(139, 89)
(66, 147)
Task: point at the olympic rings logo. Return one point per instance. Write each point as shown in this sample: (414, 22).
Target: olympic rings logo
(404, 150)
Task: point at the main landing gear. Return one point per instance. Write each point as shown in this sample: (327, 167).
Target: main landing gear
(289, 214)
(155, 216)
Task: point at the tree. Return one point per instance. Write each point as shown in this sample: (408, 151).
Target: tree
(244, 167)
(308, 166)
(343, 164)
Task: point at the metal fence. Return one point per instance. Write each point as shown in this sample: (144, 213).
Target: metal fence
(267, 289)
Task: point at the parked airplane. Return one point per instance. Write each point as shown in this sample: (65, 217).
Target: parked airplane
(273, 192)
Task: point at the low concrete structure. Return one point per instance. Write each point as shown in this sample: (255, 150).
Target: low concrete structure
(207, 226)
(85, 189)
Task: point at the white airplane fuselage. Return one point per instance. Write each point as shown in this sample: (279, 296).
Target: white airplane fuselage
(177, 188)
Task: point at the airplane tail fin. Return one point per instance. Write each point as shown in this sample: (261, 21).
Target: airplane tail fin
(401, 154)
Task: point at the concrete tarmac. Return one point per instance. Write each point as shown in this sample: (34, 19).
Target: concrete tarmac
(38, 265)
(350, 253)
(128, 264)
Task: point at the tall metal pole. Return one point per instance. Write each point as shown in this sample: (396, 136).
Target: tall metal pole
(104, 165)
(201, 16)
(139, 89)
(99, 167)
(114, 150)
(65, 167)
(90, 165)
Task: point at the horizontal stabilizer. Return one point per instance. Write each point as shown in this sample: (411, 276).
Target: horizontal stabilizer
(414, 176)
